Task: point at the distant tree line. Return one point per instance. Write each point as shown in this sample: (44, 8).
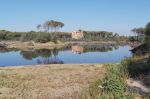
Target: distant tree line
(103, 35)
(98, 35)
(44, 37)
(48, 31)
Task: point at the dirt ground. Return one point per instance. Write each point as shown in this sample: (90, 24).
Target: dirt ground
(31, 45)
(65, 81)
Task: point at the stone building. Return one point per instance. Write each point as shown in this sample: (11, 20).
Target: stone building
(77, 34)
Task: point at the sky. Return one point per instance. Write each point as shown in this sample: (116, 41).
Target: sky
(118, 16)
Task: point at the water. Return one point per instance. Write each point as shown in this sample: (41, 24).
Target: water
(68, 55)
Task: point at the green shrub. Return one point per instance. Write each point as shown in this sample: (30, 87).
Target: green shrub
(13, 36)
(43, 37)
(28, 36)
(135, 67)
(113, 85)
(2, 36)
(115, 81)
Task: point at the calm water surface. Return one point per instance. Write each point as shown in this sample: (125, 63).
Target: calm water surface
(69, 55)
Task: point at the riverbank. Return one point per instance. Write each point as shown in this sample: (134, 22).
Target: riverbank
(63, 81)
(31, 45)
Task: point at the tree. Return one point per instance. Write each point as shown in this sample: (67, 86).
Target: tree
(147, 29)
(39, 27)
(141, 31)
(147, 33)
(116, 35)
(138, 31)
(134, 30)
(59, 25)
(46, 26)
(53, 25)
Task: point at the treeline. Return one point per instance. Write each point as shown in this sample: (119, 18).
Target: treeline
(44, 37)
(103, 35)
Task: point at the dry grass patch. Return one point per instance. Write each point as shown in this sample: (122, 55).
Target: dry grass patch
(47, 81)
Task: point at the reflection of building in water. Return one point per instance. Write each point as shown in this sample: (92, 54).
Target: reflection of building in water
(77, 34)
(77, 49)
(92, 48)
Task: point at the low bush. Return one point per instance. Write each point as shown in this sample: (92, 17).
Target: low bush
(135, 67)
(113, 85)
(28, 36)
(43, 37)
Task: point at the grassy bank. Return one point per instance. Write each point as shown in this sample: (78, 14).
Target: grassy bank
(30, 45)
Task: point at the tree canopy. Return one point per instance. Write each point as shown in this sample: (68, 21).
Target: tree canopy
(147, 29)
(51, 25)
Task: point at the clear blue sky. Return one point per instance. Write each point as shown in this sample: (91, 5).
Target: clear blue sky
(110, 15)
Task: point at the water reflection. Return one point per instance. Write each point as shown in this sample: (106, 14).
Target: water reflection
(54, 56)
(48, 56)
(6, 50)
(79, 49)
(49, 61)
(29, 55)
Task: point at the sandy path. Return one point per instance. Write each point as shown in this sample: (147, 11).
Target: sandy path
(47, 81)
